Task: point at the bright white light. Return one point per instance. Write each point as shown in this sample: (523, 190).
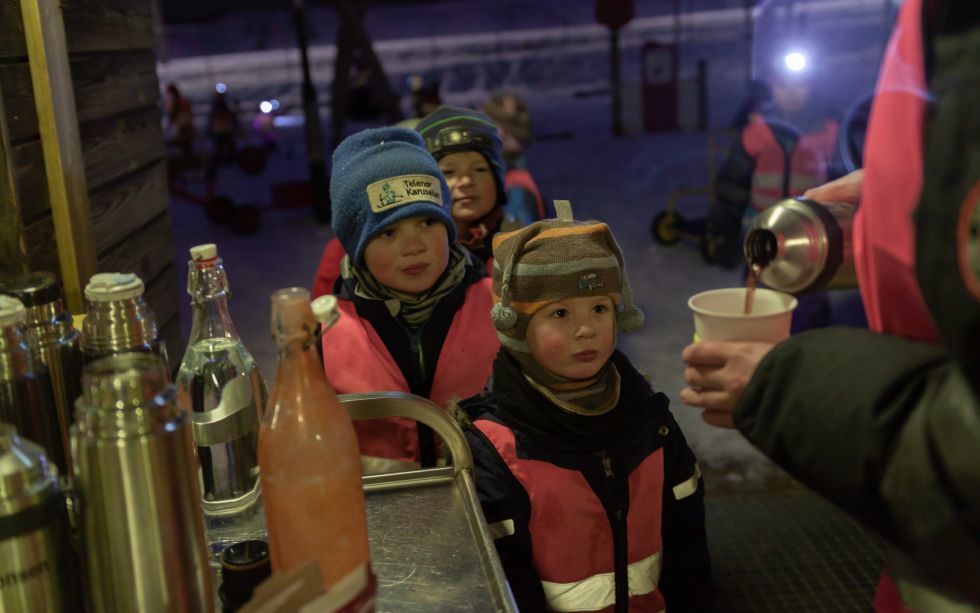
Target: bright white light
(220, 88)
(275, 104)
(795, 61)
(265, 106)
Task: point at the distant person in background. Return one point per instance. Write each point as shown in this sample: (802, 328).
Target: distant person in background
(425, 96)
(180, 121)
(414, 305)
(886, 423)
(786, 147)
(760, 97)
(524, 201)
(223, 131)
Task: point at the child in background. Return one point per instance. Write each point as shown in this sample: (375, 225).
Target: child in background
(414, 306)
(470, 154)
(524, 201)
(591, 493)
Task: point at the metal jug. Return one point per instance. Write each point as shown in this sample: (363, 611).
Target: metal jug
(34, 546)
(802, 246)
(138, 497)
(58, 348)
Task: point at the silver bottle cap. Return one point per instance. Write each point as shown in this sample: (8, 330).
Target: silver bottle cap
(26, 476)
(12, 311)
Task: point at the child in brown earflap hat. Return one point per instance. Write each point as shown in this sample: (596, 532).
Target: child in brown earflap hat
(591, 493)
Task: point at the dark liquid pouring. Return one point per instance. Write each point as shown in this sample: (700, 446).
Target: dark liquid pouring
(750, 285)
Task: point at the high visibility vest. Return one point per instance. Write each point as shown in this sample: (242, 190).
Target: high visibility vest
(522, 179)
(809, 160)
(884, 233)
(356, 361)
(571, 534)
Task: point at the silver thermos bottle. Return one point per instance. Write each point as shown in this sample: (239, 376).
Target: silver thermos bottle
(137, 494)
(34, 548)
(801, 245)
(117, 318)
(25, 389)
(58, 348)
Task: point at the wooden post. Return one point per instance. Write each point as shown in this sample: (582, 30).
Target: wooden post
(319, 180)
(13, 258)
(54, 98)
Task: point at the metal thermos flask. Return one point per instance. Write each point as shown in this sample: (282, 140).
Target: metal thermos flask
(58, 347)
(802, 246)
(25, 389)
(117, 318)
(137, 494)
(34, 547)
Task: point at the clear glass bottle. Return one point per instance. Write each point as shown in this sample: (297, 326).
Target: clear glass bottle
(311, 468)
(220, 385)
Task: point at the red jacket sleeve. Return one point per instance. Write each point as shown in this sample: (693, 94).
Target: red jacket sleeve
(328, 271)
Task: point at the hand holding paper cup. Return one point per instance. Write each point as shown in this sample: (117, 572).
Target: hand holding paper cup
(718, 315)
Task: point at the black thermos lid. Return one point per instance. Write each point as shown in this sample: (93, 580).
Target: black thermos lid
(243, 567)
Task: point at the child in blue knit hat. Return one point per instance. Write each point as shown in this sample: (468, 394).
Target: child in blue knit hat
(415, 306)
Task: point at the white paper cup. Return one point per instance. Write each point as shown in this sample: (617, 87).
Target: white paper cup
(718, 315)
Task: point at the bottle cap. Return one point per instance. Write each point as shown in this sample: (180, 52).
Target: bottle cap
(325, 310)
(202, 253)
(33, 288)
(12, 311)
(109, 286)
(25, 473)
(243, 567)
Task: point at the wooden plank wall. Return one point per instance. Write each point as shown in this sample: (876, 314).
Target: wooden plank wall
(117, 97)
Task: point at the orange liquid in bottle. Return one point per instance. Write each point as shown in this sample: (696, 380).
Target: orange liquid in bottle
(309, 458)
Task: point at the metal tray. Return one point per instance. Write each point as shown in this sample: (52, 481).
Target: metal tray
(430, 546)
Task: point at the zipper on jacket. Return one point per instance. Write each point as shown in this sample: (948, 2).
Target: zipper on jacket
(617, 521)
(427, 442)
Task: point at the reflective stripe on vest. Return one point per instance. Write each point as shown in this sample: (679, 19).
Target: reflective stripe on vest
(356, 360)
(520, 177)
(809, 162)
(572, 539)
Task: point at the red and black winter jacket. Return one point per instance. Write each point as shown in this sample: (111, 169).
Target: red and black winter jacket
(578, 527)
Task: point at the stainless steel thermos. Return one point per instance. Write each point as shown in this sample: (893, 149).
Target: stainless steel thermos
(117, 318)
(58, 348)
(34, 546)
(802, 245)
(25, 389)
(137, 493)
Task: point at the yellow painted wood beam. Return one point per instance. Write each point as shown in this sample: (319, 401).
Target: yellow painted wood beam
(54, 96)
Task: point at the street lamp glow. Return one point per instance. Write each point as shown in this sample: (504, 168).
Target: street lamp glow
(795, 61)
(220, 88)
(265, 106)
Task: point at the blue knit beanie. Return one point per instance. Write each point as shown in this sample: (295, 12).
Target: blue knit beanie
(380, 177)
(452, 129)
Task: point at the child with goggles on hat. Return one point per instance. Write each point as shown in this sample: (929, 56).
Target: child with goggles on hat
(414, 305)
(590, 491)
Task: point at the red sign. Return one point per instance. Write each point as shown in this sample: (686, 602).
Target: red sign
(614, 13)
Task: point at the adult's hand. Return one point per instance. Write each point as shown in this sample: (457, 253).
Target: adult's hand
(846, 189)
(717, 374)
